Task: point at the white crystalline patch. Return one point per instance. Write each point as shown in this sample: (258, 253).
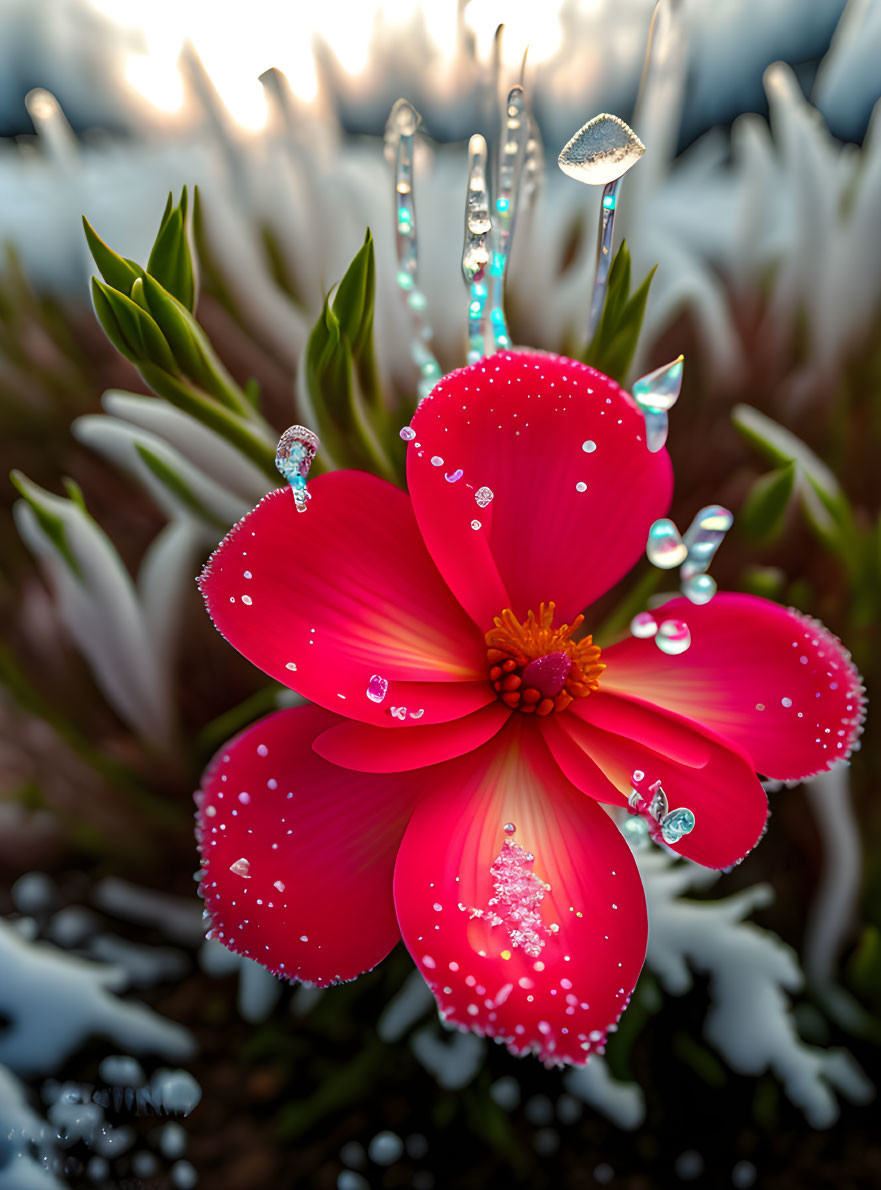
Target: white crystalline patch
(516, 904)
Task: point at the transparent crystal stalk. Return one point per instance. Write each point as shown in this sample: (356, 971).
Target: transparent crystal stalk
(655, 394)
(293, 457)
(510, 168)
(399, 135)
(600, 154)
(703, 537)
(475, 253)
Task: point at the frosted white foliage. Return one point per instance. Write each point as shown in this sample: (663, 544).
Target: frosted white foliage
(178, 918)
(453, 1058)
(55, 1002)
(622, 1103)
(752, 977)
(259, 990)
(102, 612)
(204, 450)
(22, 1130)
(119, 442)
(410, 1004)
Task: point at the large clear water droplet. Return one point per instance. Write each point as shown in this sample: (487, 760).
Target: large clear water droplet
(673, 637)
(643, 625)
(699, 588)
(665, 548)
(656, 393)
(377, 688)
(704, 536)
(603, 150)
(677, 824)
(293, 457)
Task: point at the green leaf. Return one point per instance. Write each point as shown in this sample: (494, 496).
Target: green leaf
(143, 341)
(192, 350)
(177, 486)
(48, 520)
(117, 271)
(613, 345)
(354, 300)
(762, 514)
(171, 261)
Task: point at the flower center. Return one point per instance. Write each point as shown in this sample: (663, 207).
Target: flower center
(536, 668)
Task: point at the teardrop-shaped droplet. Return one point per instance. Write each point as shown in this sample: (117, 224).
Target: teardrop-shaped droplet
(643, 625)
(665, 548)
(603, 150)
(377, 688)
(660, 389)
(704, 536)
(673, 637)
(293, 457)
(699, 588)
(677, 824)
(241, 868)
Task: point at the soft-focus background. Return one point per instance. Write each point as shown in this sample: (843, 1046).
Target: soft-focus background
(132, 1052)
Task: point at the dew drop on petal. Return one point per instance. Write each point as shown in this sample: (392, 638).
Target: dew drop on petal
(407, 433)
(699, 588)
(483, 496)
(475, 524)
(241, 868)
(589, 446)
(673, 637)
(377, 688)
(436, 461)
(665, 548)
(581, 486)
(279, 884)
(643, 625)
(454, 476)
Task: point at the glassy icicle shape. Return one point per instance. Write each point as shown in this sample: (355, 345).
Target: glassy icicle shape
(665, 548)
(510, 167)
(476, 253)
(656, 393)
(602, 151)
(650, 803)
(400, 130)
(293, 457)
(600, 154)
(702, 538)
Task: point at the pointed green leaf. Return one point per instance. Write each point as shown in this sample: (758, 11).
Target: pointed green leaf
(353, 303)
(762, 514)
(109, 322)
(190, 345)
(144, 340)
(116, 270)
(171, 261)
(48, 520)
(615, 340)
(178, 487)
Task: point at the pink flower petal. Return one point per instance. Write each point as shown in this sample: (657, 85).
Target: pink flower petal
(575, 490)
(297, 854)
(774, 682)
(326, 599)
(372, 750)
(715, 781)
(547, 970)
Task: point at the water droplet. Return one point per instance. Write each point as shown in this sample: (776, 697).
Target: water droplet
(677, 824)
(665, 548)
(407, 433)
(475, 524)
(589, 446)
(786, 702)
(581, 486)
(293, 457)
(601, 151)
(454, 476)
(643, 625)
(244, 798)
(703, 537)
(279, 884)
(436, 461)
(699, 588)
(291, 665)
(659, 390)
(673, 637)
(510, 828)
(483, 497)
(377, 688)
(241, 868)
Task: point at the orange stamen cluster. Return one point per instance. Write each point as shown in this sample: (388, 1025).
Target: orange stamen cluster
(512, 648)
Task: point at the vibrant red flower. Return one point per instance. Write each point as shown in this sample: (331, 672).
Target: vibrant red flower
(446, 784)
